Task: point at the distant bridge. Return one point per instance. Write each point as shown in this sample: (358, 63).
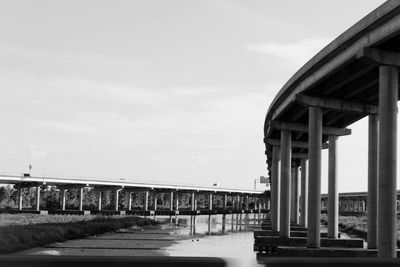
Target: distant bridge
(240, 199)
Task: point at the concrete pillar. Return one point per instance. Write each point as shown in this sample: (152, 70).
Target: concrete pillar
(171, 200)
(63, 193)
(99, 201)
(37, 197)
(295, 196)
(239, 202)
(247, 202)
(146, 200)
(224, 202)
(333, 195)
(275, 188)
(20, 194)
(210, 201)
(155, 201)
(286, 160)
(177, 201)
(116, 199)
(304, 193)
(314, 176)
(372, 206)
(129, 200)
(388, 95)
(81, 198)
(193, 201)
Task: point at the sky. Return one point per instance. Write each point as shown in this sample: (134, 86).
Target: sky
(160, 91)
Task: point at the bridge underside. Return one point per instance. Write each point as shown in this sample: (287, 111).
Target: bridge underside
(355, 76)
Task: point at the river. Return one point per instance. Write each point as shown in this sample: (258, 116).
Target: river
(202, 235)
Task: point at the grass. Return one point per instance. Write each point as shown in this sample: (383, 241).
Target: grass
(22, 231)
(356, 225)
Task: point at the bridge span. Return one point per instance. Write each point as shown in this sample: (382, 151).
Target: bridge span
(241, 201)
(353, 77)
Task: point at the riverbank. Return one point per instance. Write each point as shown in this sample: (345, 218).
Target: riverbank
(19, 233)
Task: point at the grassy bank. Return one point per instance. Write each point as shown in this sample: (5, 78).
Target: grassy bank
(356, 226)
(34, 232)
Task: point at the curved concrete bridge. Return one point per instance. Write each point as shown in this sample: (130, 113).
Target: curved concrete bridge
(355, 76)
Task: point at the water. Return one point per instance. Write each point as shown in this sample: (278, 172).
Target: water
(227, 237)
(209, 237)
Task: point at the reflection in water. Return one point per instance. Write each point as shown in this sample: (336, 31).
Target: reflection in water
(208, 224)
(223, 236)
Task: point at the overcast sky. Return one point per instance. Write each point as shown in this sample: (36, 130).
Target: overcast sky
(166, 91)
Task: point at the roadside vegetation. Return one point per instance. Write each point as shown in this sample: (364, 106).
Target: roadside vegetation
(23, 231)
(356, 226)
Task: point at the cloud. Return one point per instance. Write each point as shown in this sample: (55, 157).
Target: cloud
(290, 53)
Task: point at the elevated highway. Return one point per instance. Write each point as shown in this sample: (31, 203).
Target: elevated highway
(239, 199)
(355, 76)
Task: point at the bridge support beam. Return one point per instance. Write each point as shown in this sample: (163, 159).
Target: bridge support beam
(177, 201)
(275, 188)
(333, 196)
(20, 194)
(314, 182)
(155, 201)
(210, 201)
(99, 200)
(193, 199)
(225, 201)
(81, 199)
(286, 151)
(171, 200)
(63, 193)
(304, 193)
(146, 200)
(388, 95)
(128, 197)
(117, 199)
(38, 198)
(372, 221)
(294, 218)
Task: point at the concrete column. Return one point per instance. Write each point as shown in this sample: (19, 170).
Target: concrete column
(171, 200)
(81, 198)
(177, 201)
(99, 201)
(146, 200)
(225, 201)
(388, 95)
(247, 202)
(63, 193)
(193, 201)
(239, 202)
(286, 160)
(129, 200)
(116, 199)
(210, 201)
(37, 197)
(20, 194)
(275, 188)
(314, 176)
(155, 201)
(372, 206)
(304, 193)
(333, 196)
(295, 196)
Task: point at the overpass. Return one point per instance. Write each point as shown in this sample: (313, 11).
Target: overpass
(239, 199)
(353, 77)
